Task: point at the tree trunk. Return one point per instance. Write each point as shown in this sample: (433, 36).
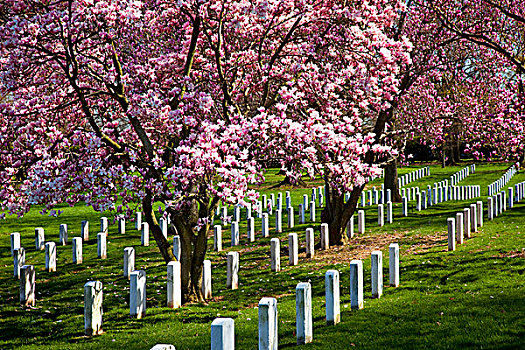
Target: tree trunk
(162, 242)
(391, 181)
(337, 213)
(457, 151)
(193, 250)
(332, 215)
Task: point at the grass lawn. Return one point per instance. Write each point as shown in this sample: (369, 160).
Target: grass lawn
(473, 297)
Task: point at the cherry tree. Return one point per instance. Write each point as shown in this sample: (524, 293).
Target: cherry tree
(123, 104)
(471, 90)
(496, 29)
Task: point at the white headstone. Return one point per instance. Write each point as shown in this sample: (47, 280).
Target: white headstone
(163, 347)
(356, 284)
(350, 227)
(104, 225)
(290, 217)
(19, 260)
(144, 234)
(217, 238)
(250, 229)
(275, 254)
(312, 211)
(15, 242)
(265, 225)
(77, 250)
(27, 285)
(268, 324)
(39, 238)
(248, 211)
(84, 230)
(393, 250)
(459, 228)
(361, 222)
(129, 261)
(480, 213)
(310, 243)
(101, 245)
(235, 233)
(174, 294)
(51, 257)
(278, 221)
(138, 220)
(224, 215)
(206, 279)
(236, 213)
(93, 296)
(473, 218)
(381, 215)
(222, 334)
(121, 224)
(232, 270)
(451, 222)
(293, 249)
(62, 236)
(303, 313)
(301, 214)
(490, 208)
(137, 294)
(466, 222)
(177, 248)
(305, 202)
(332, 294)
(163, 223)
(377, 273)
(325, 237)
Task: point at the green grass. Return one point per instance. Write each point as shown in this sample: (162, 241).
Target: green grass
(471, 298)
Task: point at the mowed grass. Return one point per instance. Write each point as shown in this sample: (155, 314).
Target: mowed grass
(473, 297)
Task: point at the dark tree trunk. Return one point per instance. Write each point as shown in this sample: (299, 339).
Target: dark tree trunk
(391, 181)
(193, 243)
(193, 250)
(332, 214)
(337, 213)
(288, 182)
(162, 242)
(457, 152)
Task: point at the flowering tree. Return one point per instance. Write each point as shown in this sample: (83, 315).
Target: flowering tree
(496, 29)
(331, 116)
(468, 88)
(120, 103)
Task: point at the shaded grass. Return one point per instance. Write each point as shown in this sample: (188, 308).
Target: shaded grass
(470, 298)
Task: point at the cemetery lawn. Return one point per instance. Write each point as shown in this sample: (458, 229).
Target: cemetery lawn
(473, 297)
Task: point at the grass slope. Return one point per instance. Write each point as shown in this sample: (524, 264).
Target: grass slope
(471, 298)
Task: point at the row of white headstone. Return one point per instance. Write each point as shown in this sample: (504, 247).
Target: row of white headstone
(270, 204)
(412, 176)
(472, 217)
(235, 234)
(376, 196)
(464, 224)
(499, 202)
(438, 194)
(497, 185)
(271, 210)
(462, 174)
(222, 329)
(18, 252)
